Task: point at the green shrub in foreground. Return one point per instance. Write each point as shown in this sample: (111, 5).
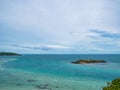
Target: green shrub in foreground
(114, 85)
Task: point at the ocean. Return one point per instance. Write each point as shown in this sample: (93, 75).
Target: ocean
(56, 72)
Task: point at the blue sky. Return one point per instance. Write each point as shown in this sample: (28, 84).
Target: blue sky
(60, 26)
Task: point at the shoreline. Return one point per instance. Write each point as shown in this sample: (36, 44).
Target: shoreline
(5, 60)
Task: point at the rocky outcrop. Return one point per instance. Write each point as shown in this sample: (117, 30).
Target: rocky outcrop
(88, 61)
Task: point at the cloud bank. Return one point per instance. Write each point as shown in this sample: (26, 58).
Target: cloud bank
(60, 26)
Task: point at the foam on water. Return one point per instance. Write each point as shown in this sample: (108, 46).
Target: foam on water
(5, 60)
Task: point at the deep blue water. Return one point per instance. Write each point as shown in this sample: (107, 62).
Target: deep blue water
(59, 65)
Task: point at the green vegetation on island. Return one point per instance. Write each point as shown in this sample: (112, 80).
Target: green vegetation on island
(9, 54)
(114, 85)
(88, 61)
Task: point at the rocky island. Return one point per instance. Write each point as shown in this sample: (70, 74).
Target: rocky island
(88, 61)
(9, 54)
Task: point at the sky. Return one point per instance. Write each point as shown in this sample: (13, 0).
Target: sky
(60, 26)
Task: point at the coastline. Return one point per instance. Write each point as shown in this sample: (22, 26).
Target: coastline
(5, 60)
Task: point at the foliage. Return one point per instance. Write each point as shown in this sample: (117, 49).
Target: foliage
(8, 54)
(114, 85)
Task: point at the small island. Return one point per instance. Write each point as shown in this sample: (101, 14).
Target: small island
(88, 61)
(9, 54)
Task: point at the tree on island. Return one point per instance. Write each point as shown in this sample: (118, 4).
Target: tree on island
(9, 54)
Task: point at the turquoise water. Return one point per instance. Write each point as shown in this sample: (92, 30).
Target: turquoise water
(55, 72)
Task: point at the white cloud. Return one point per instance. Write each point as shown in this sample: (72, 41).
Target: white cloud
(39, 46)
(59, 24)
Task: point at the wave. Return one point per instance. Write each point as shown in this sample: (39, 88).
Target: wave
(5, 60)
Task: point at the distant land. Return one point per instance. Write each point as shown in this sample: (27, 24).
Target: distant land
(88, 61)
(9, 54)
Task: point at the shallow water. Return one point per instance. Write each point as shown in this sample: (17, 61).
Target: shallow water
(55, 72)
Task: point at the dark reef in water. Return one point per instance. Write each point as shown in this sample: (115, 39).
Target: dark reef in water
(45, 86)
(19, 84)
(88, 61)
(9, 54)
(31, 80)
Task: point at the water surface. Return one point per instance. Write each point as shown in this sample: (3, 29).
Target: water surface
(55, 72)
